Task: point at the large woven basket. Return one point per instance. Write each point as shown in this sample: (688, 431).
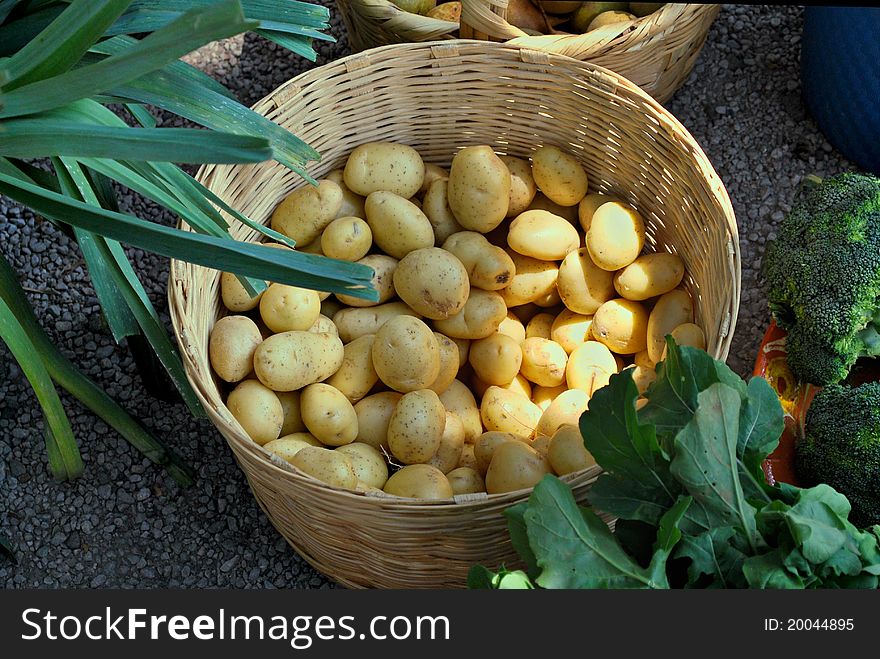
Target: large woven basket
(657, 52)
(439, 97)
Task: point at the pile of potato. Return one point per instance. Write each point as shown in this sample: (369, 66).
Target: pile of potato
(537, 17)
(507, 296)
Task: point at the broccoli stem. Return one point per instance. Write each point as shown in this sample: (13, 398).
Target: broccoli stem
(870, 337)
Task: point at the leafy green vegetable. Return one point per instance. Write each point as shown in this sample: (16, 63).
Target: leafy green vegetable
(686, 471)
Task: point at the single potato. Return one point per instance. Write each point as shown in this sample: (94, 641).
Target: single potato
(570, 329)
(432, 173)
(567, 453)
(533, 279)
(479, 318)
(559, 175)
(542, 235)
(484, 447)
(688, 334)
(383, 281)
(231, 347)
(384, 166)
(582, 285)
(432, 282)
(352, 203)
(451, 444)
(509, 411)
(616, 236)
(588, 206)
(285, 308)
(435, 206)
(306, 211)
(522, 185)
(398, 225)
(590, 367)
(649, 275)
(496, 359)
(326, 465)
(287, 446)
(328, 414)
(515, 466)
(643, 377)
(467, 460)
(541, 202)
(373, 416)
(419, 481)
(543, 397)
(464, 348)
(671, 310)
(513, 327)
(234, 296)
(292, 360)
(406, 354)
(324, 325)
(459, 400)
(291, 410)
(357, 376)
(416, 426)
(488, 266)
(544, 362)
(347, 238)
(479, 188)
(368, 462)
(540, 326)
(449, 363)
(566, 408)
(257, 409)
(466, 480)
(353, 323)
(622, 325)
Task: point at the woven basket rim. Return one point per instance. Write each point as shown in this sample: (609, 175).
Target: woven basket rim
(475, 47)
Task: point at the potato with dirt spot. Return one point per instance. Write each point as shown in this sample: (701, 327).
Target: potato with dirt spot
(451, 444)
(479, 318)
(543, 362)
(419, 481)
(355, 322)
(496, 359)
(590, 367)
(306, 211)
(542, 235)
(622, 325)
(398, 225)
(515, 466)
(616, 236)
(432, 282)
(231, 347)
(257, 409)
(559, 175)
(435, 206)
(326, 465)
(416, 427)
(383, 281)
(488, 266)
(449, 363)
(478, 188)
(384, 166)
(373, 415)
(287, 446)
(582, 285)
(368, 462)
(324, 325)
(328, 414)
(347, 238)
(533, 279)
(567, 453)
(285, 308)
(292, 360)
(522, 185)
(508, 411)
(406, 354)
(649, 275)
(356, 376)
(671, 310)
(466, 480)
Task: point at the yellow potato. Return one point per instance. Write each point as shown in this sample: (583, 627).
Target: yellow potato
(328, 414)
(383, 281)
(622, 325)
(515, 466)
(488, 266)
(353, 323)
(373, 415)
(570, 329)
(368, 462)
(467, 459)
(329, 307)
(285, 308)
(324, 325)
(290, 409)
(590, 367)
(509, 411)
(649, 275)
(432, 173)
(513, 327)
(671, 310)
(416, 426)
(496, 359)
(541, 444)
(406, 354)
(435, 206)
(356, 377)
(449, 363)
(257, 409)
(643, 377)
(642, 359)
(543, 362)
(610, 18)
(419, 481)
(305, 212)
(451, 444)
(518, 385)
(540, 326)
(687, 334)
(479, 318)
(541, 202)
(559, 175)
(542, 235)
(582, 285)
(347, 238)
(234, 296)
(567, 453)
(616, 236)
(292, 360)
(566, 408)
(551, 299)
(384, 166)
(479, 188)
(532, 280)
(484, 447)
(464, 348)
(287, 446)
(352, 203)
(398, 225)
(466, 480)
(522, 185)
(432, 282)
(543, 397)
(459, 400)
(231, 347)
(588, 206)
(327, 466)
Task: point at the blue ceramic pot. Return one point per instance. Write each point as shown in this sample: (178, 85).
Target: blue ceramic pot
(840, 70)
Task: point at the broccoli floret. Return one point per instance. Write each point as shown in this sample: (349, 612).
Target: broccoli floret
(841, 447)
(823, 278)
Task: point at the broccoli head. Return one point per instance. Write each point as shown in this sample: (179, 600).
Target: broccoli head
(823, 278)
(841, 447)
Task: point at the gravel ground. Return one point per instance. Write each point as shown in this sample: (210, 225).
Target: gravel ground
(125, 524)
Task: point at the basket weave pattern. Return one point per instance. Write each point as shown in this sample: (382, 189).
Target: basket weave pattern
(439, 97)
(657, 52)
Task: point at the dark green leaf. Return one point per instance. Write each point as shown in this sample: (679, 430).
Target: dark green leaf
(573, 547)
(6, 549)
(706, 464)
(38, 138)
(668, 536)
(519, 537)
(16, 34)
(817, 523)
(192, 30)
(298, 45)
(760, 426)
(481, 578)
(59, 47)
(712, 554)
(6, 6)
(768, 571)
(141, 114)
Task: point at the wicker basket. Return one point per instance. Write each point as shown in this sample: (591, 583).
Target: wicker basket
(438, 97)
(657, 52)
